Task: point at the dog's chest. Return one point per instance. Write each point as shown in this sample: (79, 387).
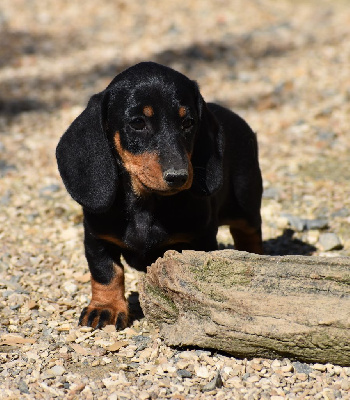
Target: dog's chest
(160, 224)
(143, 231)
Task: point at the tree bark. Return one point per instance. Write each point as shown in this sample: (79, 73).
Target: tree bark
(250, 305)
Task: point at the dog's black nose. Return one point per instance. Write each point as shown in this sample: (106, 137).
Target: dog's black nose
(175, 178)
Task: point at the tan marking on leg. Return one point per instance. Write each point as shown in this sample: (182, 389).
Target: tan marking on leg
(113, 239)
(179, 238)
(109, 298)
(246, 238)
(182, 111)
(144, 169)
(148, 111)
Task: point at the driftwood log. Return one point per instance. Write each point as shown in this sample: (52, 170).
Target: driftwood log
(252, 306)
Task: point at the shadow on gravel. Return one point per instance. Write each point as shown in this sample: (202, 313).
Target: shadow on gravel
(135, 309)
(238, 52)
(250, 48)
(12, 107)
(285, 245)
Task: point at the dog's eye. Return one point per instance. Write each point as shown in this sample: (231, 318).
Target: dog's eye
(187, 124)
(138, 124)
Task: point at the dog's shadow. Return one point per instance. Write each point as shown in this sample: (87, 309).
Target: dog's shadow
(283, 245)
(287, 245)
(135, 309)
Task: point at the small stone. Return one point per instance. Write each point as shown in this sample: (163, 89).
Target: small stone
(85, 329)
(109, 328)
(110, 383)
(227, 371)
(70, 287)
(287, 368)
(216, 382)
(319, 367)
(328, 394)
(329, 241)
(253, 379)
(256, 366)
(312, 237)
(32, 305)
(64, 327)
(183, 373)
(236, 382)
(281, 222)
(58, 370)
(275, 380)
(338, 369)
(145, 353)
(23, 387)
(144, 395)
(276, 364)
(301, 376)
(188, 355)
(71, 337)
(302, 368)
(129, 353)
(202, 372)
(316, 224)
(295, 222)
(345, 384)
(117, 345)
(271, 193)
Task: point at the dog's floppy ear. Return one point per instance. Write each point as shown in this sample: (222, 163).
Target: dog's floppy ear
(85, 160)
(207, 158)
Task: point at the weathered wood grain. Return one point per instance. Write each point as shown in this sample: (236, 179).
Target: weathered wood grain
(250, 305)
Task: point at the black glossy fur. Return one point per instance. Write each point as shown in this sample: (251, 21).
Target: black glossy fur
(156, 168)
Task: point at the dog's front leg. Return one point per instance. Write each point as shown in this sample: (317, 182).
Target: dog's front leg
(108, 305)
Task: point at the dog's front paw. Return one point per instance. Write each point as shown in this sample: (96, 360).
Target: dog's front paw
(98, 316)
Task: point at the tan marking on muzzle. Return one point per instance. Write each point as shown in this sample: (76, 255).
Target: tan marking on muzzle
(146, 172)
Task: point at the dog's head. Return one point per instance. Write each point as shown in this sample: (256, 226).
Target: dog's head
(150, 122)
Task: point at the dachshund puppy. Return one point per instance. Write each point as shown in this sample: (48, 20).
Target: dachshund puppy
(156, 168)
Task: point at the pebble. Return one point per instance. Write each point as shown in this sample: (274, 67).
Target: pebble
(216, 382)
(302, 368)
(345, 384)
(202, 372)
(183, 373)
(302, 376)
(58, 370)
(70, 287)
(302, 224)
(319, 367)
(329, 241)
(23, 387)
(276, 364)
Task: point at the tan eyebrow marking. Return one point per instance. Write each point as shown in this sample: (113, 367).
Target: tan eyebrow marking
(182, 111)
(148, 111)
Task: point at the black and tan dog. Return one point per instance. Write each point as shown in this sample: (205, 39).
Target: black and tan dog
(156, 168)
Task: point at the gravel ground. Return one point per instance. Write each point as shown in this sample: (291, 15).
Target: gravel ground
(283, 66)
